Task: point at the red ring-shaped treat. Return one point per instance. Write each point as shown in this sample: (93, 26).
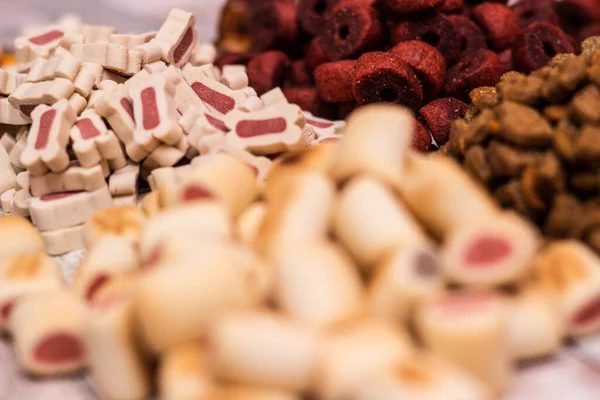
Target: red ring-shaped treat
(315, 54)
(381, 77)
(439, 115)
(308, 99)
(298, 76)
(427, 62)
(498, 22)
(474, 69)
(421, 138)
(434, 29)
(470, 35)
(312, 13)
(530, 11)
(537, 44)
(452, 6)
(575, 14)
(267, 70)
(273, 24)
(412, 6)
(351, 29)
(334, 81)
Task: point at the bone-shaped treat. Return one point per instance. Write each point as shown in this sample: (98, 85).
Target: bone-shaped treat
(177, 37)
(64, 66)
(185, 97)
(9, 81)
(48, 138)
(74, 178)
(114, 57)
(124, 181)
(155, 113)
(89, 76)
(61, 241)
(203, 53)
(42, 44)
(216, 96)
(78, 103)
(10, 115)
(165, 156)
(268, 131)
(324, 127)
(29, 95)
(131, 39)
(97, 33)
(93, 142)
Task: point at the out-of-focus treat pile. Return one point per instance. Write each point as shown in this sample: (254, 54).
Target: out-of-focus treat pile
(332, 55)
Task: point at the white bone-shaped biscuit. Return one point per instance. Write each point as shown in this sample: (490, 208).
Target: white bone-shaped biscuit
(131, 39)
(273, 97)
(29, 95)
(144, 75)
(123, 182)
(165, 156)
(155, 113)
(63, 66)
(322, 126)
(252, 104)
(108, 75)
(177, 37)
(48, 138)
(126, 200)
(65, 209)
(74, 178)
(9, 81)
(217, 97)
(203, 53)
(234, 77)
(267, 131)
(22, 181)
(10, 115)
(185, 97)
(64, 240)
(78, 103)
(89, 76)
(97, 33)
(43, 44)
(114, 57)
(93, 142)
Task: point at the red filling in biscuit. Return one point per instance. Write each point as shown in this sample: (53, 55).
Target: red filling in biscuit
(249, 128)
(87, 128)
(184, 45)
(487, 249)
(45, 126)
(196, 192)
(58, 348)
(27, 109)
(150, 108)
(588, 313)
(220, 102)
(217, 123)
(58, 195)
(96, 284)
(47, 37)
(319, 124)
(330, 140)
(128, 107)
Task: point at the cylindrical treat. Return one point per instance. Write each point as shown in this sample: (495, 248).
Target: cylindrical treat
(18, 236)
(573, 14)
(233, 392)
(352, 352)
(537, 44)
(319, 284)
(299, 212)
(122, 221)
(110, 258)
(22, 275)
(498, 22)
(267, 70)
(189, 298)
(351, 29)
(184, 373)
(475, 68)
(491, 250)
(118, 367)
(48, 333)
(315, 54)
(421, 138)
(568, 270)
(411, 6)
(334, 81)
(427, 63)
(405, 278)
(471, 36)
(369, 220)
(380, 77)
(61, 241)
(263, 349)
(273, 25)
(312, 14)
(442, 195)
(470, 330)
(439, 115)
(376, 141)
(530, 11)
(425, 376)
(535, 327)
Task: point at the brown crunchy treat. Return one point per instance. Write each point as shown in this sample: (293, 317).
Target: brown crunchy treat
(474, 69)
(315, 54)
(421, 138)
(412, 6)
(351, 29)
(267, 70)
(307, 98)
(439, 115)
(566, 76)
(384, 78)
(499, 23)
(273, 25)
(426, 62)
(555, 112)
(470, 35)
(312, 14)
(523, 125)
(508, 162)
(520, 88)
(590, 46)
(585, 105)
(477, 165)
(574, 14)
(566, 210)
(234, 27)
(510, 195)
(432, 28)
(452, 6)
(334, 81)
(585, 182)
(588, 146)
(465, 134)
(565, 136)
(530, 11)
(537, 44)
(484, 97)
(540, 182)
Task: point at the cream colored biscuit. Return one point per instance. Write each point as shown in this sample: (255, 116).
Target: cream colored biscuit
(93, 142)
(113, 57)
(131, 39)
(164, 156)
(273, 98)
(78, 103)
(217, 97)
(97, 33)
(184, 97)
(203, 53)
(7, 200)
(7, 141)
(29, 95)
(8, 178)
(124, 181)
(44, 43)
(64, 66)
(10, 115)
(22, 181)
(9, 81)
(89, 76)
(177, 37)
(74, 178)
(61, 241)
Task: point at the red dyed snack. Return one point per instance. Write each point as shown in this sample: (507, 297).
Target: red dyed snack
(434, 29)
(411, 6)
(452, 6)
(233, 59)
(421, 138)
(537, 44)
(499, 23)
(334, 81)
(312, 14)
(384, 78)
(439, 115)
(267, 70)
(426, 62)
(315, 54)
(351, 29)
(506, 59)
(308, 99)
(273, 25)
(589, 31)
(475, 68)
(575, 14)
(298, 76)
(470, 35)
(530, 11)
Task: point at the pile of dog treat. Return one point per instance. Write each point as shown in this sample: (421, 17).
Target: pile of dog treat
(332, 55)
(360, 270)
(87, 105)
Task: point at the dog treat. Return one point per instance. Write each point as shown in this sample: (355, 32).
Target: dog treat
(123, 221)
(370, 221)
(216, 96)
(184, 372)
(18, 236)
(123, 181)
(20, 203)
(42, 44)
(10, 115)
(184, 97)
(6, 201)
(29, 95)
(65, 66)
(47, 328)
(7, 141)
(9, 81)
(48, 138)
(468, 328)
(88, 77)
(131, 39)
(64, 240)
(8, 178)
(240, 341)
(113, 57)
(75, 178)
(22, 275)
(22, 181)
(92, 142)
(177, 37)
(54, 211)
